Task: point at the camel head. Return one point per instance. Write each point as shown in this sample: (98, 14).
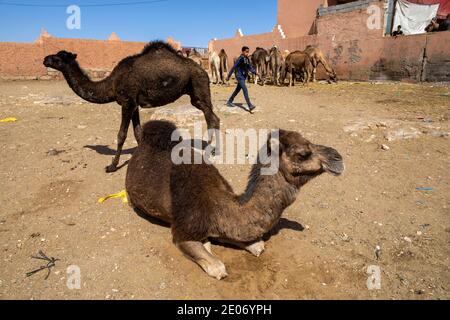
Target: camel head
(60, 60)
(301, 160)
(333, 77)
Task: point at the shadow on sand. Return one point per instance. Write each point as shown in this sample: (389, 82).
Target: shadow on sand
(107, 151)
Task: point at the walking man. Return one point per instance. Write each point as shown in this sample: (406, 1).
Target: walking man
(242, 66)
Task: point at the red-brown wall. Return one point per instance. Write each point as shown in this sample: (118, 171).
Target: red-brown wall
(97, 57)
(297, 17)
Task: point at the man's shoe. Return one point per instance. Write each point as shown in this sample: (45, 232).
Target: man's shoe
(230, 105)
(251, 108)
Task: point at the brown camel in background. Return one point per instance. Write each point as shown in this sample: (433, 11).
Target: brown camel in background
(196, 57)
(276, 64)
(260, 60)
(297, 62)
(155, 77)
(200, 204)
(316, 56)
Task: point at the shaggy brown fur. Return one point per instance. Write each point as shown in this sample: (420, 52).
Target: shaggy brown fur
(156, 77)
(316, 56)
(199, 203)
(297, 62)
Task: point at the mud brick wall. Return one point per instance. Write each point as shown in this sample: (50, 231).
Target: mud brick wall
(21, 60)
(96, 57)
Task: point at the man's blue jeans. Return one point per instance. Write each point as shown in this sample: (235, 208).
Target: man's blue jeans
(240, 86)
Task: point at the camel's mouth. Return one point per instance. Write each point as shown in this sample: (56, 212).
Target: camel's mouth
(47, 62)
(336, 169)
(50, 62)
(333, 162)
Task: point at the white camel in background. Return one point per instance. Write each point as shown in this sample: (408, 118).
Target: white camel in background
(214, 63)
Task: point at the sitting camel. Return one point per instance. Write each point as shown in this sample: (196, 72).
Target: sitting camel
(200, 204)
(316, 56)
(156, 77)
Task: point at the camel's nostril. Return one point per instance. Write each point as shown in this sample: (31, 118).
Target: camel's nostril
(335, 168)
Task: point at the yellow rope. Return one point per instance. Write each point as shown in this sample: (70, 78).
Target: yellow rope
(8, 120)
(121, 195)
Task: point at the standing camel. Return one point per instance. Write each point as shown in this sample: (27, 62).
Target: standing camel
(196, 57)
(297, 62)
(316, 56)
(223, 65)
(276, 64)
(155, 77)
(214, 64)
(260, 59)
(200, 204)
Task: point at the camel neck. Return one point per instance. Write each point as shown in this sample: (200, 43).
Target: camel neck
(264, 202)
(92, 91)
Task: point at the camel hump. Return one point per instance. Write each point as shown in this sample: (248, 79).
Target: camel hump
(158, 134)
(158, 45)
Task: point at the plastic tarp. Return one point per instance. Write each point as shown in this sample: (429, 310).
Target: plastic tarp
(413, 18)
(444, 6)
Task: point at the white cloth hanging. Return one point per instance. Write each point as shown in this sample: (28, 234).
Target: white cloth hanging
(413, 18)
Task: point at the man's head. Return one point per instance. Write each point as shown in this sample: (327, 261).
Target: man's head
(246, 51)
(399, 28)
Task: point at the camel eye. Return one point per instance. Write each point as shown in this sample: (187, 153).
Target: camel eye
(303, 155)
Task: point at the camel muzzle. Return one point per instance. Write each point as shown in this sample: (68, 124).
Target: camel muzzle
(47, 62)
(333, 162)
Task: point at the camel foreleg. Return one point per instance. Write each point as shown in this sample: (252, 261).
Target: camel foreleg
(137, 126)
(202, 255)
(127, 114)
(255, 248)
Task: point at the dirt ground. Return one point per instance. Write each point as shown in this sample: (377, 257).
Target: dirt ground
(52, 174)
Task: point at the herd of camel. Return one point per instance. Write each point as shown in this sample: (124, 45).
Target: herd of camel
(274, 65)
(198, 203)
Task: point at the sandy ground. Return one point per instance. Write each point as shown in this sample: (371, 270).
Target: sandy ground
(52, 174)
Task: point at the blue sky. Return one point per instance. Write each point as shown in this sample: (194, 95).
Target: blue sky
(192, 22)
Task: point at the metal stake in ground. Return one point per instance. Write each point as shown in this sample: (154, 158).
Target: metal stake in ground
(51, 262)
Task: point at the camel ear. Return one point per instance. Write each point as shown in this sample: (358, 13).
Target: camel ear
(74, 56)
(274, 141)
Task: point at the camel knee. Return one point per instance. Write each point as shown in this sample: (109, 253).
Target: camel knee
(121, 137)
(212, 120)
(256, 248)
